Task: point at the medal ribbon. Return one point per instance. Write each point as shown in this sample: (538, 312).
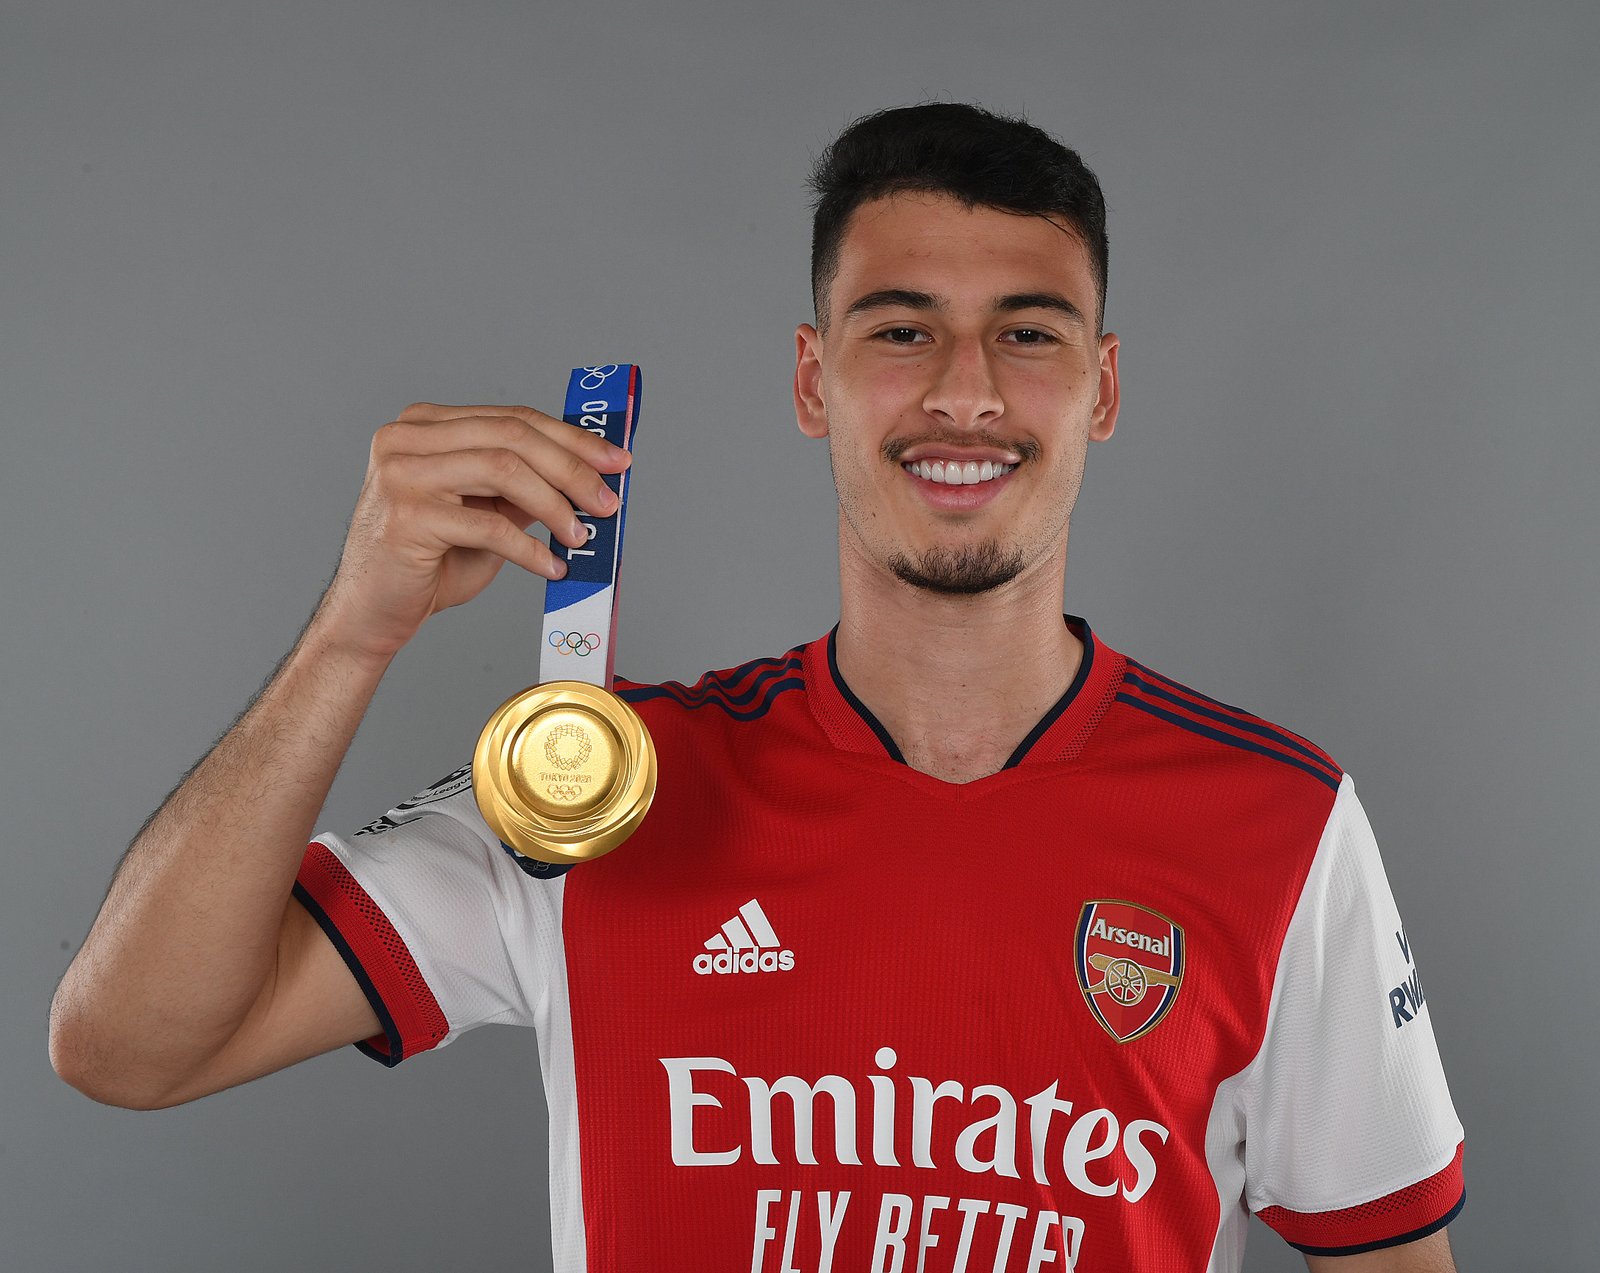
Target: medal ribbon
(580, 609)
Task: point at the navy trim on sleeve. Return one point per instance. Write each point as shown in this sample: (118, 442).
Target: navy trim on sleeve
(395, 1053)
(1415, 1235)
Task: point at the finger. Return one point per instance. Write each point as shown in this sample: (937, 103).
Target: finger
(569, 469)
(492, 472)
(600, 453)
(417, 437)
(431, 412)
(460, 526)
(519, 517)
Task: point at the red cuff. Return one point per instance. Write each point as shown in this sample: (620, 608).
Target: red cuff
(1403, 1216)
(411, 1017)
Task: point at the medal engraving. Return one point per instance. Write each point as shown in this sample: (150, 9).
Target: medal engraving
(565, 761)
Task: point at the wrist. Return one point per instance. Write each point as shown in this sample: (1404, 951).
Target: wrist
(340, 653)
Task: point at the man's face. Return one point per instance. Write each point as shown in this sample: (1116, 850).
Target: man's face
(958, 385)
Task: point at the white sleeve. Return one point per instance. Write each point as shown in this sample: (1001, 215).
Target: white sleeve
(1351, 1140)
(438, 922)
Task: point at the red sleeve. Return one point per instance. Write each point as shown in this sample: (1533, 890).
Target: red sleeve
(1403, 1216)
(411, 1017)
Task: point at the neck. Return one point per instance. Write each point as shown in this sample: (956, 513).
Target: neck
(958, 681)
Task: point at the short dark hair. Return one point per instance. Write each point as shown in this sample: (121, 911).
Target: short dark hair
(980, 157)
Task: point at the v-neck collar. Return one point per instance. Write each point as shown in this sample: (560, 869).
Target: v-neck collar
(1059, 735)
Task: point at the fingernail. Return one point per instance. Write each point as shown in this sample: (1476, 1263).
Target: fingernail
(608, 498)
(560, 568)
(617, 453)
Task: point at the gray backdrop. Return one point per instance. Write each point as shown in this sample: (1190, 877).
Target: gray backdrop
(1353, 270)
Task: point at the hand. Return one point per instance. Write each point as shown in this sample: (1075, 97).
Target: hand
(448, 497)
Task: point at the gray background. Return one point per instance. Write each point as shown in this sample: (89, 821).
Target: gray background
(1352, 485)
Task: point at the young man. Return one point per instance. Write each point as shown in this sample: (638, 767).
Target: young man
(954, 940)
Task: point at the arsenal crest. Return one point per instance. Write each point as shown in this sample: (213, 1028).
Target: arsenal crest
(1130, 964)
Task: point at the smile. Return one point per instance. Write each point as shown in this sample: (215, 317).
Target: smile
(956, 473)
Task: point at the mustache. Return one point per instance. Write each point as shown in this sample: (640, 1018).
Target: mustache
(1027, 448)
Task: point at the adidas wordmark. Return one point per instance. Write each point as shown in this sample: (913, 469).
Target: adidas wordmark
(747, 943)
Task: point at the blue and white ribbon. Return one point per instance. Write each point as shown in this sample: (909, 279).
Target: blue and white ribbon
(580, 609)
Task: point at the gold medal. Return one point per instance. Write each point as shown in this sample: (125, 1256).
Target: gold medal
(564, 771)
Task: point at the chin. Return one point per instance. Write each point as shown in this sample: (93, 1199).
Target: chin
(959, 572)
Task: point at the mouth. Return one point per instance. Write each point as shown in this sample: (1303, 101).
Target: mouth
(957, 472)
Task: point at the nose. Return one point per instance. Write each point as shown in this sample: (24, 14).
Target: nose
(963, 392)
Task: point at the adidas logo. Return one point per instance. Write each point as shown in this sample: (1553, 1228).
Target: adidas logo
(745, 944)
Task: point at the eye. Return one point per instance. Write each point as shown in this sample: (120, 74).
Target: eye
(1032, 336)
(901, 335)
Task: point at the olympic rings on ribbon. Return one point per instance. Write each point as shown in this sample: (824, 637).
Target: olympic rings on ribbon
(598, 375)
(575, 642)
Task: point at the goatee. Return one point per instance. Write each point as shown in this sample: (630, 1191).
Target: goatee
(959, 571)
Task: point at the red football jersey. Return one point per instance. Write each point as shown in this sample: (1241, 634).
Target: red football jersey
(823, 1012)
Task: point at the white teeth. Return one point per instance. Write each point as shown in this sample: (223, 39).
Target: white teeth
(955, 473)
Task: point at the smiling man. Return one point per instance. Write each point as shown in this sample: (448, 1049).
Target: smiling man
(955, 940)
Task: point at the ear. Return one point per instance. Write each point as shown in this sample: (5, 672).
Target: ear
(810, 412)
(1103, 422)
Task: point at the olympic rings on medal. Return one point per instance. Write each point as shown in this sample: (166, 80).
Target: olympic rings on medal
(598, 375)
(575, 642)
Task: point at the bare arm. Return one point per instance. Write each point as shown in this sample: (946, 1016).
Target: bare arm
(205, 888)
(200, 971)
(1426, 1255)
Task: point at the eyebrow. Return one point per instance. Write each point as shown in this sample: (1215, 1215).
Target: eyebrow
(905, 298)
(1041, 300)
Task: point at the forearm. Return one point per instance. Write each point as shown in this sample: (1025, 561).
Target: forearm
(186, 940)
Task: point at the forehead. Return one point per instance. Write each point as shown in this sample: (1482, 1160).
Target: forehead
(934, 243)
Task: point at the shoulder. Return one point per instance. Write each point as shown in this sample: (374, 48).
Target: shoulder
(1175, 723)
(1218, 793)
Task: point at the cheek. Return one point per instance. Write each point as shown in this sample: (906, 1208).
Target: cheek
(877, 381)
(1059, 389)
(863, 413)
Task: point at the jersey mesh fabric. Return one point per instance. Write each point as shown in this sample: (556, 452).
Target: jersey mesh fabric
(1407, 1214)
(923, 1064)
(411, 1014)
